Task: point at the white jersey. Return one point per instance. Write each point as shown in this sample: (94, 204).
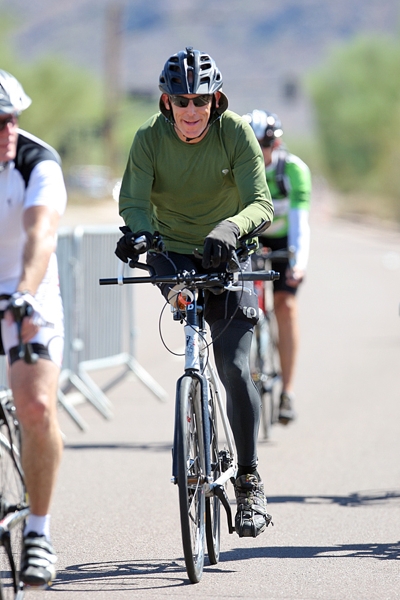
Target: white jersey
(34, 178)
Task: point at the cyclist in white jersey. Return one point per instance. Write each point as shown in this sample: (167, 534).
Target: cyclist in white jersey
(32, 198)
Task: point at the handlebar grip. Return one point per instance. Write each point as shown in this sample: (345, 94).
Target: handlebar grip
(260, 276)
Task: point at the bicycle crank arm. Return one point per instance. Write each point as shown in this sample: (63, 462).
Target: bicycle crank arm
(222, 479)
(219, 491)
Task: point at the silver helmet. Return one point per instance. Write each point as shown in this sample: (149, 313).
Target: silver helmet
(13, 99)
(266, 125)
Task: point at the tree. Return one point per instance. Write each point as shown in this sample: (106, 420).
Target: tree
(356, 94)
(69, 108)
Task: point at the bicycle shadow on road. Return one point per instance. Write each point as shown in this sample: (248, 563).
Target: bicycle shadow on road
(367, 498)
(390, 551)
(123, 576)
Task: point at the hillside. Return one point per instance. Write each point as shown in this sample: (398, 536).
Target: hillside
(263, 48)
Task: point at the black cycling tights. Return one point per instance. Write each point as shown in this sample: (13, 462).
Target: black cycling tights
(231, 353)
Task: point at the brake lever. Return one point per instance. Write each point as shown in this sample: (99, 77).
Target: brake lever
(197, 254)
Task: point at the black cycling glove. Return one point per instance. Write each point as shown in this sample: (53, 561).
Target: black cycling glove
(220, 244)
(131, 244)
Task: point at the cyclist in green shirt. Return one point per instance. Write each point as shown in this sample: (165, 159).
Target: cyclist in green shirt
(289, 181)
(195, 174)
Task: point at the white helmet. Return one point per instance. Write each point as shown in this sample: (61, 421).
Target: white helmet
(12, 96)
(266, 125)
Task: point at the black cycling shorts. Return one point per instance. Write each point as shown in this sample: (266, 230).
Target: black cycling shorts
(280, 265)
(242, 304)
(40, 349)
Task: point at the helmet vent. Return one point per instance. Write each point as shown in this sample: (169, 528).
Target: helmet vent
(205, 66)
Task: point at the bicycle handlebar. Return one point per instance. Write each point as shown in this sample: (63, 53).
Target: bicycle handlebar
(281, 254)
(192, 279)
(263, 256)
(202, 280)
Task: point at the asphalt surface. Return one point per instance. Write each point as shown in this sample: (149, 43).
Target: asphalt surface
(332, 478)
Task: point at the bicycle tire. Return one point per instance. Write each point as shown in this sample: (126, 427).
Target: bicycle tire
(13, 504)
(191, 476)
(267, 369)
(274, 375)
(213, 504)
(267, 409)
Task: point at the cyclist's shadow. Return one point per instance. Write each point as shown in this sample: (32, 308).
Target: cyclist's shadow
(367, 498)
(389, 551)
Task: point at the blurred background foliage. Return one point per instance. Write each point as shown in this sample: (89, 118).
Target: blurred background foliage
(355, 95)
(69, 111)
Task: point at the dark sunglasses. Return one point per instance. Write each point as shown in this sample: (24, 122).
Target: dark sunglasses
(198, 101)
(4, 122)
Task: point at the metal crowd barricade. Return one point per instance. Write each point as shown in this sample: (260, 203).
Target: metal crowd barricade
(99, 322)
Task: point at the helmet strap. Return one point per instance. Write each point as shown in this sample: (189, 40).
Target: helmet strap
(197, 136)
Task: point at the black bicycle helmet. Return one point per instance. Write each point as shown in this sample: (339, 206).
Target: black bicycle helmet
(191, 72)
(12, 96)
(266, 126)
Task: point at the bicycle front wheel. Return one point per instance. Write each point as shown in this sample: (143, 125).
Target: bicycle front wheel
(213, 504)
(13, 507)
(191, 476)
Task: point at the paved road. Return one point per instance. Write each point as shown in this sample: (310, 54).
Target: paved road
(332, 478)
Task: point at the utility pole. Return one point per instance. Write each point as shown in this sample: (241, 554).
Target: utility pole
(112, 80)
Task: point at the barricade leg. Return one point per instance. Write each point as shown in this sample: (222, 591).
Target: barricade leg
(119, 360)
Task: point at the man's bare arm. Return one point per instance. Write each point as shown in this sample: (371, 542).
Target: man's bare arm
(40, 223)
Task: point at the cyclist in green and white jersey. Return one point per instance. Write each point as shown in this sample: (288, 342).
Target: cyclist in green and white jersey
(289, 181)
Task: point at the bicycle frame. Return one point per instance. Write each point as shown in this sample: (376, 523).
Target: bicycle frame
(196, 364)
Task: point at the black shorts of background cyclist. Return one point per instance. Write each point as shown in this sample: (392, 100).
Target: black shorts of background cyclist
(281, 266)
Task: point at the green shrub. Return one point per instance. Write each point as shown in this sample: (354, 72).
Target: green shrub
(356, 95)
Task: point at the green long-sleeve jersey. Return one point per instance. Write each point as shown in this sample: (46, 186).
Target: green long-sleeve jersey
(297, 179)
(183, 190)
